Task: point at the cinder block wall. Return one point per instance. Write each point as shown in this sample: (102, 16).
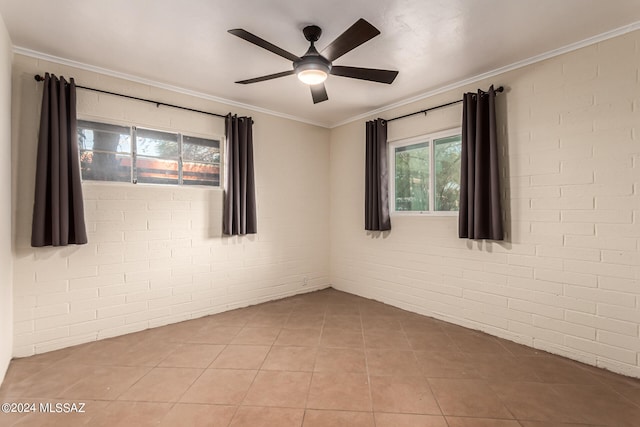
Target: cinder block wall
(155, 253)
(567, 278)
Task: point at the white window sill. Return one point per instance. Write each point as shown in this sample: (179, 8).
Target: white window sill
(425, 214)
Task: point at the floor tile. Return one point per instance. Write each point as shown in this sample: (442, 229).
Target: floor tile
(305, 320)
(101, 353)
(334, 358)
(276, 388)
(595, 404)
(430, 341)
(480, 422)
(476, 342)
(282, 306)
(556, 370)
(340, 360)
(162, 385)
(302, 337)
(19, 371)
(50, 382)
(370, 308)
(403, 395)
(42, 418)
(341, 338)
(555, 424)
(197, 415)
(519, 350)
(381, 322)
(175, 333)
(235, 318)
(241, 357)
(415, 323)
(391, 362)
(501, 367)
(54, 356)
(11, 418)
(386, 339)
(343, 321)
(105, 382)
(289, 358)
(192, 356)
(409, 420)
(256, 336)
(128, 414)
(318, 418)
(344, 309)
(620, 383)
(450, 364)
(267, 320)
(529, 400)
(215, 335)
(468, 398)
(339, 391)
(220, 386)
(148, 353)
(248, 416)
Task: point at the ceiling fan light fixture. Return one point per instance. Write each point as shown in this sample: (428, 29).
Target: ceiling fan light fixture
(312, 77)
(312, 70)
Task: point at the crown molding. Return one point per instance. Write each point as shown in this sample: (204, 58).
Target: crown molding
(493, 73)
(111, 73)
(425, 95)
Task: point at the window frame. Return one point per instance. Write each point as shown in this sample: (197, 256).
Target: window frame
(133, 129)
(429, 138)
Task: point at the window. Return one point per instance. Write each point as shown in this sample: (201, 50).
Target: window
(426, 173)
(131, 154)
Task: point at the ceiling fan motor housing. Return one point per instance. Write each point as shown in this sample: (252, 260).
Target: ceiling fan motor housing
(312, 62)
(312, 33)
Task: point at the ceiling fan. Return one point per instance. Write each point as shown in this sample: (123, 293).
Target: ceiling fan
(313, 67)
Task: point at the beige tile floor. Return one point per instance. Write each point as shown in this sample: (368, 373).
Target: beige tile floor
(322, 359)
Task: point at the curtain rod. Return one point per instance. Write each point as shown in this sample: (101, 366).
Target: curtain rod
(39, 78)
(499, 89)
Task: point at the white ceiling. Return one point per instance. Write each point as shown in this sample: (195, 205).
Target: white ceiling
(432, 43)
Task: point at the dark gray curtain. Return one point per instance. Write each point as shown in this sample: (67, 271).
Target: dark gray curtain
(239, 197)
(480, 214)
(58, 209)
(376, 208)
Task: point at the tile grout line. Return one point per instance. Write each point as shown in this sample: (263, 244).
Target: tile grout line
(205, 370)
(366, 365)
(240, 404)
(472, 346)
(422, 375)
(313, 372)
(173, 404)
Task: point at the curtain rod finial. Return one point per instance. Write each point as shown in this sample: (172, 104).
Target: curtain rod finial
(38, 78)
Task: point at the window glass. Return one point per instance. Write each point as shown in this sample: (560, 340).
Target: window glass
(200, 149)
(412, 177)
(425, 173)
(201, 161)
(114, 153)
(157, 144)
(447, 173)
(105, 152)
(152, 170)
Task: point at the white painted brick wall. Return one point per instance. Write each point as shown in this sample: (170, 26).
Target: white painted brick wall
(567, 279)
(155, 253)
